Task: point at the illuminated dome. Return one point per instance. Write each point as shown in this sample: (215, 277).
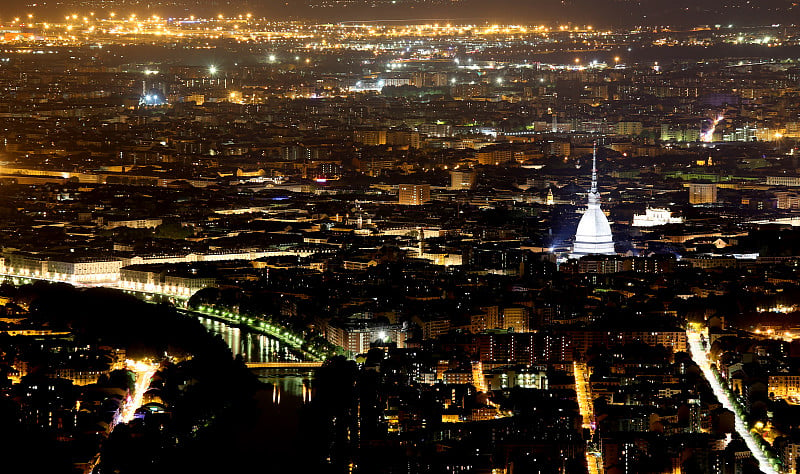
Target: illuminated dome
(594, 232)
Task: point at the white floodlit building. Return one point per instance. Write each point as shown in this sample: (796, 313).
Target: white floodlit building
(594, 232)
(653, 217)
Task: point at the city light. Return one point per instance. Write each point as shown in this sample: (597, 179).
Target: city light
(708, 134)
(430, 229)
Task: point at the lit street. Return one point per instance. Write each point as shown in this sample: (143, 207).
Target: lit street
(594, 461)
(144, 373)
(700, 357)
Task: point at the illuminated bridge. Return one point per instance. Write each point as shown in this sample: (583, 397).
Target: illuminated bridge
(283, 365)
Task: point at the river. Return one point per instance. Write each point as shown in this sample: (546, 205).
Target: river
(280, 402)
(255, 347)
(252, 346)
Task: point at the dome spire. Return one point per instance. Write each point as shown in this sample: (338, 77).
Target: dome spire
(594, 168)
(593, 236)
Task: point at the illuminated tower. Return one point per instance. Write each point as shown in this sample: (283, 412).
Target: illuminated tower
(594, 232)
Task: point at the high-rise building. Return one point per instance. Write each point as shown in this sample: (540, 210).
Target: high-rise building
(677, 133)
(370, 137)
(560, 148)
(403, 138)
(414, 194)
(462, 179)
(702, 193)
(593, 236)
(516, 318)
(788, 200)
(628, 128)
(695, 416)
(494, 319)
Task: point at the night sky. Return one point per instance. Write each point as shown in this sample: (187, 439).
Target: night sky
(600, 12)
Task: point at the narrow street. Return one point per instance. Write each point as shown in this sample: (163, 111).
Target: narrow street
(594, 460)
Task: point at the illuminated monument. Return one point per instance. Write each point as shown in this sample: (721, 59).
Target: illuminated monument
(594, 233)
